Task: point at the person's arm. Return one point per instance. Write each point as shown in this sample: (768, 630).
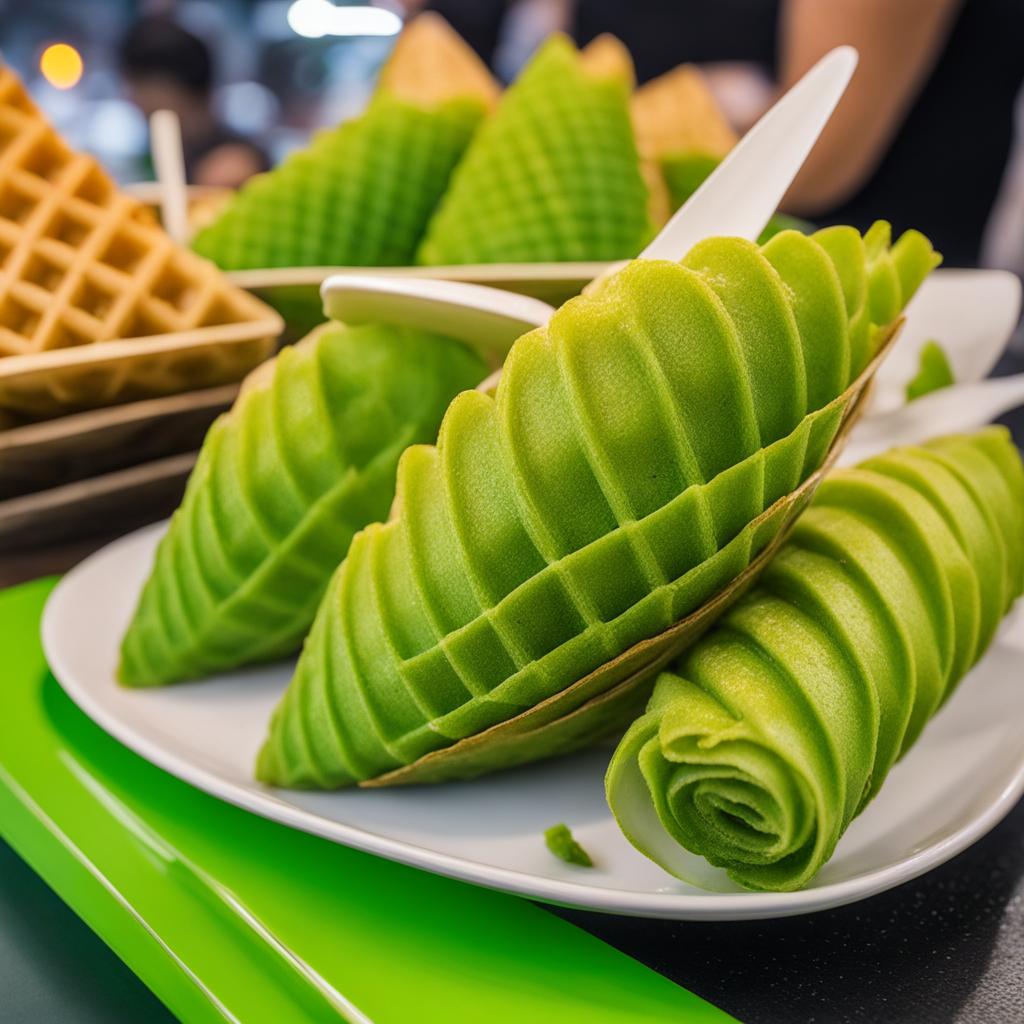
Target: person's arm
(899, 42)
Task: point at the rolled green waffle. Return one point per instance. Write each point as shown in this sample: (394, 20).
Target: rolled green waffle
(361, 194)
(771, 733)
(639, 452)
(554, 174)
(284, 480)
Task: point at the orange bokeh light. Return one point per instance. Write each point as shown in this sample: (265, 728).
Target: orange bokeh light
(61, 65)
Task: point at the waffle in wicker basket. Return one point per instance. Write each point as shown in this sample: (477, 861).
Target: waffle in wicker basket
(97, 304)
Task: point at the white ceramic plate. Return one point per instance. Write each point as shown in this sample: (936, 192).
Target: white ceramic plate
(959, 781)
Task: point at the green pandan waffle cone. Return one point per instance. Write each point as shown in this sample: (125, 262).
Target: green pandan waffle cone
(639, 453)
(684, 173)
(305, 459)
(359, 195)
(553, 175)
(771, 733)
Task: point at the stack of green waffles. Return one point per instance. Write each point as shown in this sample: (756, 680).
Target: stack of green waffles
(638, 534)
(428, 174)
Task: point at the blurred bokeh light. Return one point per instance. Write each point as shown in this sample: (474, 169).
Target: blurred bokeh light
(61, 65)
(316, 18)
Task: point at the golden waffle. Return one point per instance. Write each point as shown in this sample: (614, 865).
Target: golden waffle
(676, 113)
(608, 57)
(82, 264)
(432, 63)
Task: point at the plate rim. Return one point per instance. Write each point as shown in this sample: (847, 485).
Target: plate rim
(697, 906)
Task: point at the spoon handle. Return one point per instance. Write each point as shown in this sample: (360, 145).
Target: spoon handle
(487, 319)
(740, 196)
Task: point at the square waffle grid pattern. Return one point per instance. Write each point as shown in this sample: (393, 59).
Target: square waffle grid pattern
(81, 263)
(553, 176)
(360, 195)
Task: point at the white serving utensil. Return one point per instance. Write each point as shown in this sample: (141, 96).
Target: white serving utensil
(953, 410)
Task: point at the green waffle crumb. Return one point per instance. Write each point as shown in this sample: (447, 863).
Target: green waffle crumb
(560, 842)
(933, 371)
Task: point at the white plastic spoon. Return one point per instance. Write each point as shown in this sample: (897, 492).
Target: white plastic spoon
(738, 198)
(952, 410)
(489, 319)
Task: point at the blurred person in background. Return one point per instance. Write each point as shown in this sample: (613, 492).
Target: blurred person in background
(164, 66)
(922, 136)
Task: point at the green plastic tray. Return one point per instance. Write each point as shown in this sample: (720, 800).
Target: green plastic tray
(228, 917)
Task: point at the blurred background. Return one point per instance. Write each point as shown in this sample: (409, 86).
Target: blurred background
(931, 134)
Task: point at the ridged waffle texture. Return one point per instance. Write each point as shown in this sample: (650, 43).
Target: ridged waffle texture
(552, 175)
(305, 459)
(360, 195)
(81, 262)
(776, 729)
(605, 492)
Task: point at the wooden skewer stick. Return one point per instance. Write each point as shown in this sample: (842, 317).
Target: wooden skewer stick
(169, 163)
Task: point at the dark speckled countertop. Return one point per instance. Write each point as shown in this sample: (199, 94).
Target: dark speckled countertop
(946, 948)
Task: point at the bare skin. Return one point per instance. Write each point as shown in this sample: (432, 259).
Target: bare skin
(225, 166)
(899, 42)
